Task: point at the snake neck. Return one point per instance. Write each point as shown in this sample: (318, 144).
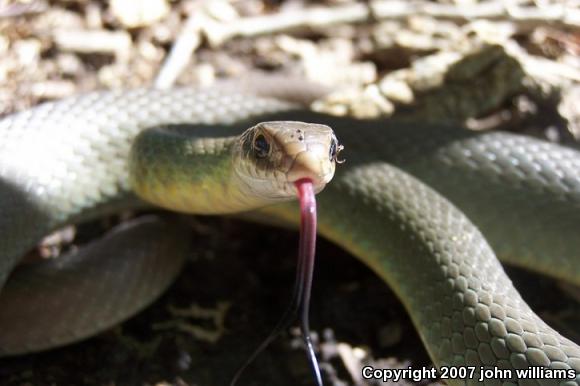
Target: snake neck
(188, 174)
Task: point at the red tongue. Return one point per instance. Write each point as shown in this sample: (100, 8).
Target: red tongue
(301, 294)
(306, 257)
(306, 197)
(307, 201)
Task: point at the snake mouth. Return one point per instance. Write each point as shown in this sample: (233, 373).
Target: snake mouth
(318, 184)
(288, 191)
(283, 187)
(279, 182)
(311, 166)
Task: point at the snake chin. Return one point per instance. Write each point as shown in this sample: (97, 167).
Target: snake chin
(285, 190)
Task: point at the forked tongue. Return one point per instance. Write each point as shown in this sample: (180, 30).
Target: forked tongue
(300, 302)
(305, 271)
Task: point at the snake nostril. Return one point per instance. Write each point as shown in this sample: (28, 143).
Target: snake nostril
(300, 134)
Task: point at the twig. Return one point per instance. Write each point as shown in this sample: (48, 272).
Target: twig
(556, 14)
(186, 43)
(524, 17)
(218, 33)
(102, 41)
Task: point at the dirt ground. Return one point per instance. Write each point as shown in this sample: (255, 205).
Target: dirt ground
(251, 268)
(417, 65)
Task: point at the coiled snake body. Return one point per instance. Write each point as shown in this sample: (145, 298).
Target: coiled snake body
(67, 162)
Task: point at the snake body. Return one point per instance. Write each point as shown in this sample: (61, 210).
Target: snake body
(68, 161)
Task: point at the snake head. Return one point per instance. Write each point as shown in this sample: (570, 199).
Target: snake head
(274, 155)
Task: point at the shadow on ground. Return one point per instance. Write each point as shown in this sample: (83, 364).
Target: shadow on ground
(251, 267)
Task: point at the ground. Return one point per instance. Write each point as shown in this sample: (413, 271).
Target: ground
(242, 265)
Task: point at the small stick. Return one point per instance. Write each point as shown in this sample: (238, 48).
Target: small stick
(524, 17)
(180, 55)
(218, 33)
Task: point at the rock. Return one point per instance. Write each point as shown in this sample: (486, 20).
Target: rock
(142, 13)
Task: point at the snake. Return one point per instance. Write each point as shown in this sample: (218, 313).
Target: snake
(413, 201)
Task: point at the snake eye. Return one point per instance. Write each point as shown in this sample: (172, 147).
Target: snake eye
(335, 148)
(261, 146)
